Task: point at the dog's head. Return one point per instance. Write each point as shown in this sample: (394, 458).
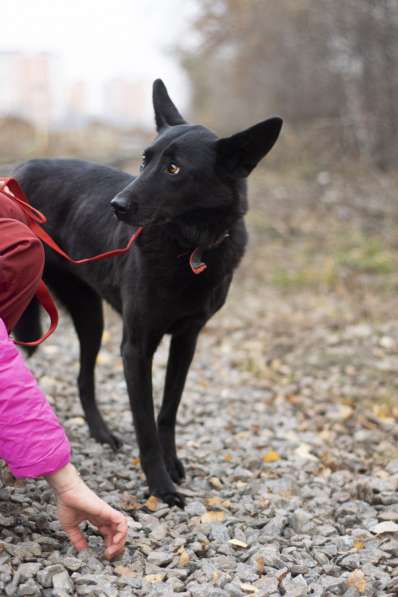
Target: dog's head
(189, 169)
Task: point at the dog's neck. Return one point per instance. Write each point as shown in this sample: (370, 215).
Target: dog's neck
(203, 229)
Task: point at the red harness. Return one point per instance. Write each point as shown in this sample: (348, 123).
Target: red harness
(35, 219)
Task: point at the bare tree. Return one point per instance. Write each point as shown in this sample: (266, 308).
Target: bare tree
(323, 64)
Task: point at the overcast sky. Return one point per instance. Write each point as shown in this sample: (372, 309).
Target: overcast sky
(99, 39)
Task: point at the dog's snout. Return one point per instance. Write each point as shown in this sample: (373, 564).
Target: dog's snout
(121, 204)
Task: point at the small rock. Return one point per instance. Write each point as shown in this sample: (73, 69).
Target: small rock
(294, 587)
(7, 521)
(385, 527)
(45, 576)
(195, 508)
(267, 585)
(72, 563)
(30, 587)
(276, 525)
(160, 558)
(63, 582)
(26, 572)
(161, 530)
(350, 562)
(302, 522)
(246, 573)
(27, 550)
(233, 589)
(219, 533)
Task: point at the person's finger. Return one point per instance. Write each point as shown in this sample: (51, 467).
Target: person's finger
(120, 534)
(119, 531)
(114, 519)
(107, 533)
(77, 538)
(114, 551)
(120, 526)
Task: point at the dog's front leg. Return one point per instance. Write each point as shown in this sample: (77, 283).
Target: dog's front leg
(182, 349)
(137, 360)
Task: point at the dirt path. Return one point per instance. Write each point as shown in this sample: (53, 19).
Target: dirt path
(288, 431)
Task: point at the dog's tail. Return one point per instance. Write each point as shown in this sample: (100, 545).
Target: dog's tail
(29, 327)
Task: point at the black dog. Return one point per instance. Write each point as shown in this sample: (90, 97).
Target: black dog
(190, 197)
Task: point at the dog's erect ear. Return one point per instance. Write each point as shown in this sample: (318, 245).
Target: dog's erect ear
(166, 114)
(239, 154)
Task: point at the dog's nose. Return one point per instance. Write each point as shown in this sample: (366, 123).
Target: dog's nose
(121, 204)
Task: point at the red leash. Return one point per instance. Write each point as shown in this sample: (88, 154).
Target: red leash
(11, 188)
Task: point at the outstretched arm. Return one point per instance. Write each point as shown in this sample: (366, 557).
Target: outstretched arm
(34, 444)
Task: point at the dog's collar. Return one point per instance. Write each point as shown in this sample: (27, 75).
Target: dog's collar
(195, 259)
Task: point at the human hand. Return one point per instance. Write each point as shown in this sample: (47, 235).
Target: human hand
(78, 503)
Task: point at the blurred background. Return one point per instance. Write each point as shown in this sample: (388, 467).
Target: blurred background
(76, 81)
(76, 77)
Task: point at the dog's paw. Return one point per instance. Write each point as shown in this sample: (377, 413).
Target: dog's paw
(170, 497)
(104, 436)
(115, 442)
(175, 469)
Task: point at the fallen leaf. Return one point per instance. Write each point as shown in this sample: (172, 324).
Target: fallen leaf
(125, 571)
(154, 578)
(135, 461)
(358, 545)
(304, 451)
(214, 501)
(152, 503)
(237, 543)
(271, 456)
(184, 558)
(212, 516)
(293, 399)
(260, 566)
(385, 527)
(129, 502)
(215, 482)
(357, 579)
(383, 412)
(247, 588)
(76, 421)
(228, 457)
(216, 576)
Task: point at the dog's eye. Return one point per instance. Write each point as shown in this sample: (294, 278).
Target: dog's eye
(173, 169)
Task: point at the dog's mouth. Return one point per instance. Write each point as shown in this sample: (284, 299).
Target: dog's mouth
(126, 217)
(196, 227)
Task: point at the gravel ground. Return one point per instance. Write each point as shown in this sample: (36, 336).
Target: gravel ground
(288, 432)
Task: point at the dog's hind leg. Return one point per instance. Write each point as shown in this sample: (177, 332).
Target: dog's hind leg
(182, 349)
(28, 327)
(85, 308)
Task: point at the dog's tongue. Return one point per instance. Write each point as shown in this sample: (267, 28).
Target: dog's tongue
(195, 261)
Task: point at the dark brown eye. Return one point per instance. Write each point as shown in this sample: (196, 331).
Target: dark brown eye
(173, 169)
